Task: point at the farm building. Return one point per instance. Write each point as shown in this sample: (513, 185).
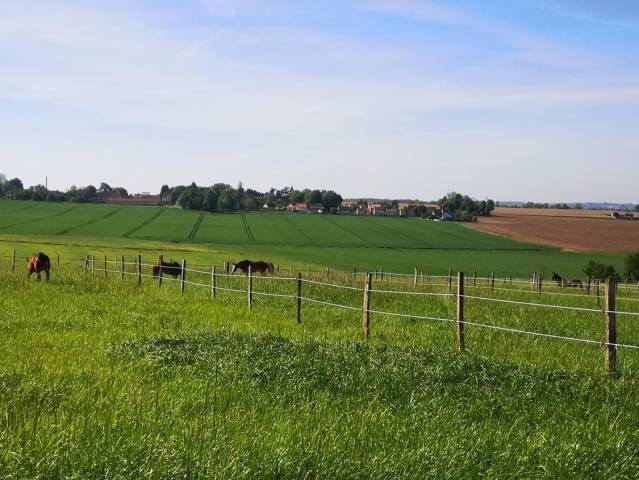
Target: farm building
(297, 207)
(144, 199)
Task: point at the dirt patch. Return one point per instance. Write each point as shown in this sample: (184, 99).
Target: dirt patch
(592, 232)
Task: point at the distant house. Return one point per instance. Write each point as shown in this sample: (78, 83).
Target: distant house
(297, 207)
(142, 199)
(315, 208)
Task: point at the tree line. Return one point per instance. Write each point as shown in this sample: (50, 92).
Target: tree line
(15, 189)
(222, 196)
(463, 208)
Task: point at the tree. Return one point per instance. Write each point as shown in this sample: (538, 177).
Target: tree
(632, 267)
(164, 190)
(312, 196)
(211, 198)
(637, 208)
(296, 196)
(227, 200)
(598, 270)
(104, 188)
(330, 200)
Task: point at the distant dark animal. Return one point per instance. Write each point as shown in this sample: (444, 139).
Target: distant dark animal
(37, 264)
(259, 266)
(563, 282)
(172, 268)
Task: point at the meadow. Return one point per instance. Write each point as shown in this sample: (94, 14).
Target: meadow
(341, 242)
(103, 378)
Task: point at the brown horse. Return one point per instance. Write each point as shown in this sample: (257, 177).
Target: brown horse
(564, 282)
(172, 268)
(38, 263)
(259, 266)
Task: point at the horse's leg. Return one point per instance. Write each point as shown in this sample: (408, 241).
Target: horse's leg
(38, 276)
(47, 272)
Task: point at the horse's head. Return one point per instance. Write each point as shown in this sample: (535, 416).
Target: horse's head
(233, 268)
(270, 267)
(556, 277)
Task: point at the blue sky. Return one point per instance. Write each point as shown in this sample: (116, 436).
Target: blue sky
(531, 100)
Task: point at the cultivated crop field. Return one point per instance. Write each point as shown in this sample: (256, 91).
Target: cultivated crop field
(366, 243)
(101, 377)
(574, 230)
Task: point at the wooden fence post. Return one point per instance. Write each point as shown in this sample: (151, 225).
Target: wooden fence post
(450, 280)
(299, 297)
(250, 288)
(328, 271)
(58, 254)
(474, 278)
(213, 282)
(611, 325)
(183, 275)
(588, 285)
(367, 305)
(460, 312)
(93, 265)
(122, 267)
(139, 267)
(86, 263)
(492, 282)
(540, 282)
(597, 291)
(160, 272)
(13, 261)
(415, 281)
(105, 266)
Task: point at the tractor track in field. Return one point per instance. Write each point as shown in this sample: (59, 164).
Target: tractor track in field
(247, 228)
(95, 220)
(142, 224)
(59, 214)
(300, 232)
(196, 227)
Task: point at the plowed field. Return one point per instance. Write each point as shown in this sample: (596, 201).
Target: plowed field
(574, 230)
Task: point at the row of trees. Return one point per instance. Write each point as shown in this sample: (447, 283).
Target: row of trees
(597, 270)
(222, 196)
(14, 188)
(463, 208)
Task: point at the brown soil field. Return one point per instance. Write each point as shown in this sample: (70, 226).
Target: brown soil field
(573, 230)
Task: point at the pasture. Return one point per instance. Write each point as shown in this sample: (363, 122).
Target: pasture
(343, 243)
(103, 378)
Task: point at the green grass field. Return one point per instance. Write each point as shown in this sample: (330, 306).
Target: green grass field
(101, 378)
(365, 243)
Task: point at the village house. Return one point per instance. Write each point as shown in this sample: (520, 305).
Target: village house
(297, 207)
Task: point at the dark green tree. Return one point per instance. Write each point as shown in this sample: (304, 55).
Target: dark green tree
(631, 271)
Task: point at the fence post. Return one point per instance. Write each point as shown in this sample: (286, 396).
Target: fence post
(597, 291)
(540, 282)
(183, 275)
(105, 266)
(367, 305)
(460, 312)
(328, 271)
(588, 284)
(93, 265)
(139, 267)
(533, 282)
(250, 288)
(160, 272)
(299, 297)
(611, 325)
(122, 267)
(415, 281)
(492, 282)
(213, 282)
(474, 278)
(13, 261)
(450, 280)
(58, 254)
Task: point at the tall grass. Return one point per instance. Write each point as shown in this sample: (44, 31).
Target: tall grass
(100, 378)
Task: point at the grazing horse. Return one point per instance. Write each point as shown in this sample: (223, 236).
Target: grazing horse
(562, 282)
(38, 263)
(172, 268)
(259, 266)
